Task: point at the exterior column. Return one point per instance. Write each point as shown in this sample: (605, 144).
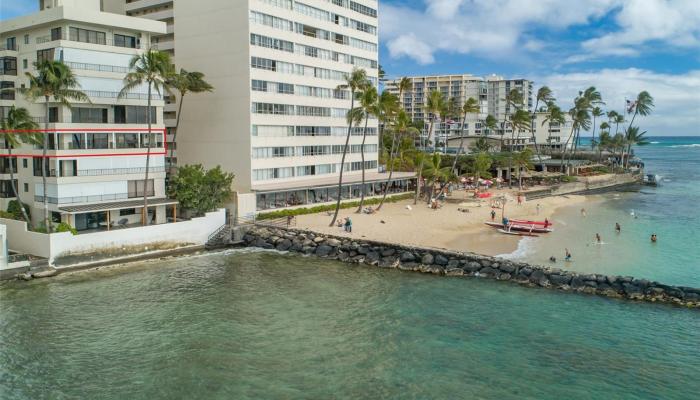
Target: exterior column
(174, 212)
(109, 219)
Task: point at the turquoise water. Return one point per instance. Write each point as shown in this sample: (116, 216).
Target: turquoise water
(671, 210)
(254, 325)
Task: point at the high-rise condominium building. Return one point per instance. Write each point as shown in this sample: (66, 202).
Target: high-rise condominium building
(96, 149)
(158, 10)
(277, 115)
(490, 92)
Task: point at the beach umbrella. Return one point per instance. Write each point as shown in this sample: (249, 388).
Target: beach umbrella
(488, 182)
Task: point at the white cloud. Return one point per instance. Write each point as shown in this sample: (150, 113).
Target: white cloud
(677, 97)
(504, 28)
(491, 28)
(674, 23)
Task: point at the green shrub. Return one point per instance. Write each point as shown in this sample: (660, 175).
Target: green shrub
(13, 208)
(65, 227)
(568, 178)
(6, 215)
(329, 207)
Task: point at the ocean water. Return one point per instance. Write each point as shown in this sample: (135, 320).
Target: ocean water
(261, 325)
(670, 210)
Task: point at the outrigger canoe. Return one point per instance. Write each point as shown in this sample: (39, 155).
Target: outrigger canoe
(519, 227)
(525, 222)
(517, 233)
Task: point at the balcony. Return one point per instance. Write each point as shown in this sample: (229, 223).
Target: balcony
(101, 94)
(97, 67)
(101, 42)
(82, 199)
(106, 172)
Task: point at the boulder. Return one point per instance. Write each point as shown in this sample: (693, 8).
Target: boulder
(307, 249)
(363, 250)
(408, 266)
(537, 276)
(388, 251)
(577, 282)
(373, 257)
(323, 250)
(296, 246)
(472, 266)
(407, 256)
(504, 276)
(427, 259)
(452, 271)
(559, 280)
(25, 276)
(507, 267)
(284, 245)
(452, 264)
(343, 256)
(319, 239)
(488, 271)
(441, 260)
(333, 242)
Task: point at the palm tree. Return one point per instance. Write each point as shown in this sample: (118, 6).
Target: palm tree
(54, 79)
(17, 126)
(619, 119)
(555, 116)
(544, 95)
(590, 98)
(368, 107)
(596, 112)
(482, 163)
(513, 99)
(604, 129)
(634, 138)
(641, 106)
(436, 173)
(491, 123)
(471, 106)
(185, 82)
(518, 121)
(450, 109)
(523, 159)
(402, 128)
(433, 106)
(153, 68)
(355, 81)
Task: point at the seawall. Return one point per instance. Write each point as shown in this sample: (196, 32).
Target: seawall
(459, 264)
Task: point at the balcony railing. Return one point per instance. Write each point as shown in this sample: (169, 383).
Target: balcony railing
(129, 96)
(83, 199)
(11, 48)
(96, 67)
(103, 42)
(107, 171)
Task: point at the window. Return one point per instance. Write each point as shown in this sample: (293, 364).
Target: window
(127, 211)
(127, 140)
(44, 55)
(87, 36)
(89, 115)
(6, 191)
(124, 41)
(11, 43)
(56, 34)
(68, 167)
(8, 65)
(9, 94)
(269, 108)
(259, 86)
(53, 114)
(277, 44)
(97, 140)
(26, 186)
(136, 188)
(24, 163)
(263, 63)
(133, 115)
(285, 88)
(26, 39)
(25, 64)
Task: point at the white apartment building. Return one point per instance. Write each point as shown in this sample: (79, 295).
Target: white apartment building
(158, 10)
(96, 150)
(276, 117)
(490, 92)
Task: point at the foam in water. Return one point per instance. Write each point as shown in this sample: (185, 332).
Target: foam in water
(525, 248)
(686, 145)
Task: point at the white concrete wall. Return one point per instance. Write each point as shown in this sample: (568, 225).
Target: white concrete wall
(195, 231)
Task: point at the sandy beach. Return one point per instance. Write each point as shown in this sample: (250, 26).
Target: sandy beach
(445, 228)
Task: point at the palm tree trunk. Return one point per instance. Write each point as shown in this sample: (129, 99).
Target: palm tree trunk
(362, 154)
(148, 161)
(44, 161)
(533, 128)
(459, 150)
(593, 139)
(342, 161)
(566, 146)
(177, 125)
(391, 172)
(420, 168)
(14, 188)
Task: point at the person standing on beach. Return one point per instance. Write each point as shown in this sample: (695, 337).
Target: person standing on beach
(583, 212)
(567, 255)
(493, 215)
(617, 227)
(348, 225)
(520, 200)
(537, 208)
(597, 237)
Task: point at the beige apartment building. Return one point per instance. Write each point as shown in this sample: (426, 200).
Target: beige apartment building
(88, 185)
(276, 117)
(490, 92)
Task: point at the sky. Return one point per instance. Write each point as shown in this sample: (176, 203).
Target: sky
(619, 46)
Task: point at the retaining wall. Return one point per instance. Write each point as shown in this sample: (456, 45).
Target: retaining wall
(449, 263)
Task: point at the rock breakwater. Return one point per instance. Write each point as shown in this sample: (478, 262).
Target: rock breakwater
(450, 263)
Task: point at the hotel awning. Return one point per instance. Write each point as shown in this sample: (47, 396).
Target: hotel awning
(115, 205)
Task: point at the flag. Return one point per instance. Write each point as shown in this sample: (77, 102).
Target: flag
(630, 105)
